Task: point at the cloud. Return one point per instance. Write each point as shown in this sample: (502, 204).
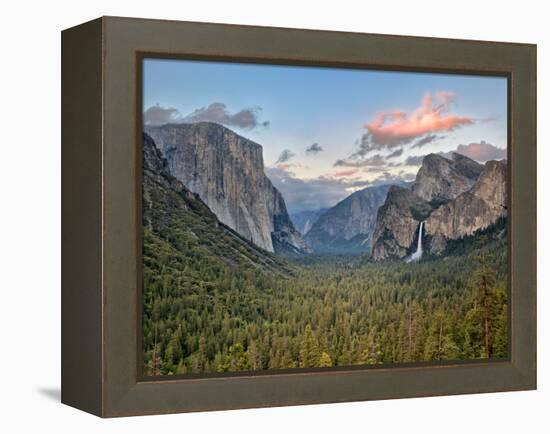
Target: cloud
(392, 178)
(370, 163)
(217, 112)
(345, 173)
(324, 191)
(374, 161)
(414, 160)
(482, 151)
(314, 149)
(426, 140)
(395, 154)
(247, 118)
(307, 194)
(157, 115)
(390, 129)
(285, 156)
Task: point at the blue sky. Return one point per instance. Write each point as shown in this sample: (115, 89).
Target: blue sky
(368, 126)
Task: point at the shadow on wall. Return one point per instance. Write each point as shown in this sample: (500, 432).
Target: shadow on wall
(53, 393)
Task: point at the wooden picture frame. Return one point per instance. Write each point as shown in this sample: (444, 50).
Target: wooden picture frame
(101, 221)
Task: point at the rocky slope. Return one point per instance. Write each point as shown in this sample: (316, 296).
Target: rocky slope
(454, 197)
(474, 209)
(397, 223)
(177, 223)
(227, 172)
(348, 226)
(441, 179)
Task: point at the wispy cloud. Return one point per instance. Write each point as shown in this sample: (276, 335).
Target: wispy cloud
(376, 160)
(314, 149)
(429, 138)
(285, 156)
(217, 112)
(158, 115)
(395, 154)
(414, 160)
(247, 118)
(346, 173)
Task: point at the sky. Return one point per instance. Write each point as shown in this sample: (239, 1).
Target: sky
(327, 132)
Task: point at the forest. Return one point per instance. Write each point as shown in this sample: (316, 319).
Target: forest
(214, 302)
(202, 316)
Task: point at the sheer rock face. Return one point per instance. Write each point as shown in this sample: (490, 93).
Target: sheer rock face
(172, 212)
(472, 210)
(453, 197)
(397, 223)
(227, 172)
(441, 179)
(349, 225)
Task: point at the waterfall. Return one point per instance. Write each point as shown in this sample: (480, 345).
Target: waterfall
(418, 254)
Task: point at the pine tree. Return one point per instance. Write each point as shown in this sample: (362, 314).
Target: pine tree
(199, 358)
(254, 357)
(324, 360)
(173, 353)
(371, 354)
(155, 364)
(237, 359)
(484, 281)
(440, 344)
(309, 349)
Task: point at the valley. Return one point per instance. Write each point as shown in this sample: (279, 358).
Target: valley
(233, 281)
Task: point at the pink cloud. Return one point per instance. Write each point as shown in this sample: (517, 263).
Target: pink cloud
(396, 127)
(345, 173)
(482, 151)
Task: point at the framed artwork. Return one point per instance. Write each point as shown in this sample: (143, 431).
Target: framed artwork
(259, 217)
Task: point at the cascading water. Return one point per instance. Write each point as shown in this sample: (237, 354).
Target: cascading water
(418, 254)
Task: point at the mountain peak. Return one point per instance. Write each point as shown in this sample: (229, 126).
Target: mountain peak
(472, 210)
(212, 132)
(441, 179)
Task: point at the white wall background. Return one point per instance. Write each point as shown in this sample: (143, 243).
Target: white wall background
(30, 215)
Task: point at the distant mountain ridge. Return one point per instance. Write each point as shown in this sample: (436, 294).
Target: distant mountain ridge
(304, 220)
(227, 172)
(348, 226)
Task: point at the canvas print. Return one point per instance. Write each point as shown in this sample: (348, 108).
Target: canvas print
(299, 217)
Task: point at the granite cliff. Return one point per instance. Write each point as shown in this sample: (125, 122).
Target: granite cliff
(177, 223)
(472, 210)
(454, 196)
(441, 179)
(227, 172)
(397, 222)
